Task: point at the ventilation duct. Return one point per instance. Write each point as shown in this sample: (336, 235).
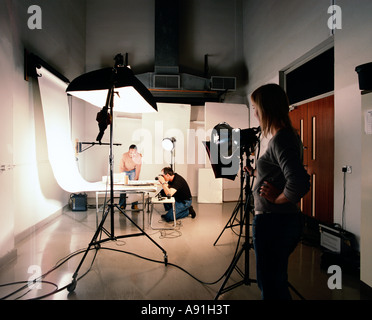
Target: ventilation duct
(166, 83)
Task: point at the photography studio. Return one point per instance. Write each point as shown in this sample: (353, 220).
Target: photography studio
(213, 151)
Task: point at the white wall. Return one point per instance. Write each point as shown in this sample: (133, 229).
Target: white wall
(35, 195)
(353, 47)
(196, 156)
(171, 120)
(6, 132)
(366, 219)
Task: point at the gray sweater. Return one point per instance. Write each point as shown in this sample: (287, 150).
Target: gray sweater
(282, 166)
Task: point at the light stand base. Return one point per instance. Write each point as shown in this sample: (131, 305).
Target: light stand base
(244, 208)
(97, 243)
(233, 266)
(230, 223)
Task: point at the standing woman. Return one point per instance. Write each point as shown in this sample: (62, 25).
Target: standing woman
(281, 183)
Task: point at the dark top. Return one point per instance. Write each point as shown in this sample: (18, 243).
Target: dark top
(282, 166)
(183, 190)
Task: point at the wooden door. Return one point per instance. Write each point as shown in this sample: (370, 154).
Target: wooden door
(315, 123)
(299, 121)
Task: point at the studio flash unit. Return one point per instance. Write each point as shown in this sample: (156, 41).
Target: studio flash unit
(227, 146)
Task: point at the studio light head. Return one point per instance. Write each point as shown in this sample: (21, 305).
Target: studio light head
(227, 146)
(103, 86)
(168, 144)
(130, 94)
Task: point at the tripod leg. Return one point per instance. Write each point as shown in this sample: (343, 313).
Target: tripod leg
(229, 272)
(229, 223)
(71, 287)
(295, 291)
(144, 233)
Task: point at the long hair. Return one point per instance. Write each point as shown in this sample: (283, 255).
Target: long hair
(272, 106)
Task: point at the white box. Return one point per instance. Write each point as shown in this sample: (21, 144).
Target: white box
(330, 238)
(209, 188)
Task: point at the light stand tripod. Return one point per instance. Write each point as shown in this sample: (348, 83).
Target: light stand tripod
(230, 222)
(95, 242)
(245, 208)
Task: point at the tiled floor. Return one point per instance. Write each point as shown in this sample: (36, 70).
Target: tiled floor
(133, 268)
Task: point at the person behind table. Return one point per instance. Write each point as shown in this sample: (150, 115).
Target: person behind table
(281, 182)
(130, 164)
(176, 186)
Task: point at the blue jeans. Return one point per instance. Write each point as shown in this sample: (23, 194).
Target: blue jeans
(275, 236)
(123, 196)
(182, 210)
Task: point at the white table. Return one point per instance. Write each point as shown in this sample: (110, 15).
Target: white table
(156, 200)
(131, 188)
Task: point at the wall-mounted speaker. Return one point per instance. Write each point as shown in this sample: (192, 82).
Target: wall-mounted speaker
(365, 76)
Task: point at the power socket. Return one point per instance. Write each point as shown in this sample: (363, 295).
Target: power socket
(347, 169)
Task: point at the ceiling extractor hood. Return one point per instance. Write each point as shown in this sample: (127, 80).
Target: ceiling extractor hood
(167, 83)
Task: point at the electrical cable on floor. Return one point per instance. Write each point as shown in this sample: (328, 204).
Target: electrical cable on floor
(162, 262)
(68, 257)
(78, 279)
(60, 262)
(170, 234)
(28, 285)
(40, 280)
